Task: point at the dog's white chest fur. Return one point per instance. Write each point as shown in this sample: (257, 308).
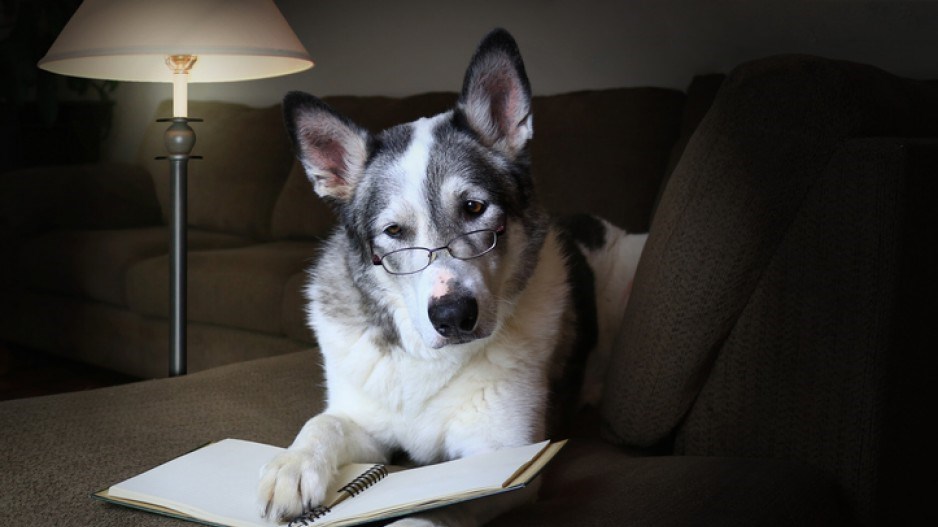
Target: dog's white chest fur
(465, 398)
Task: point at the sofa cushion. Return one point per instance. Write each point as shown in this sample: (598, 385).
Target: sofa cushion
(92, 263)
(700, 95)
(246, 158)
(293, 312)
(57, 450)
(745, 173)
(808, 349)
(605, 151)
(376, 113)
(763, 302)
(299, 213)
(119, 339)
(241, 287)
(592, 483)
(93, 196)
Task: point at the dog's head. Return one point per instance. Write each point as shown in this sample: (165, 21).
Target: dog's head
(440, 212)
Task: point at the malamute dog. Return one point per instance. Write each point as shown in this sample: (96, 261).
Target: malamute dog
(447, 304)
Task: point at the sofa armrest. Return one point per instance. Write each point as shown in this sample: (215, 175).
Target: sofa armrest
(594, 483)
(94, 196)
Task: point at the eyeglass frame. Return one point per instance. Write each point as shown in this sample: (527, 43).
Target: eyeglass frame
(379, 260)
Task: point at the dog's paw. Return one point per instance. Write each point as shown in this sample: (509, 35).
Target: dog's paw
(291, 483)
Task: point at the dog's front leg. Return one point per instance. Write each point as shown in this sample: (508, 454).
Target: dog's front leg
(296, 480)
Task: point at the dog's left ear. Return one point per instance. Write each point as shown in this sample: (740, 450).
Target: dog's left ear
(496, 96)
(330, 146)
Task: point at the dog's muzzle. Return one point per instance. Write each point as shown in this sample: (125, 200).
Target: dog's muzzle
(454, 316)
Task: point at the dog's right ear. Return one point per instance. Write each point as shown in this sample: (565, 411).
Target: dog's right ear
(496, 95)
(331, 147)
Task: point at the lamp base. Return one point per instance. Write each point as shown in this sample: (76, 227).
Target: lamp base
(179, 139)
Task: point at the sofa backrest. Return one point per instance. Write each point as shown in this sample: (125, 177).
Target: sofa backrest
(246, 159)
(604, 152)
(762, 319)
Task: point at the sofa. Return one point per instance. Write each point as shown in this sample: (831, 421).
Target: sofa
(86, 265)
(773, 367)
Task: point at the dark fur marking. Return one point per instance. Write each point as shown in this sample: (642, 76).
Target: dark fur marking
(371, 194)
(517, 191)
(392, 142)
(459, 155)
(510, 185)
(585, 229)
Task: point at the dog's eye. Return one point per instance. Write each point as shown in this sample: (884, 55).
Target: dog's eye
(393, 230)
(474, 207)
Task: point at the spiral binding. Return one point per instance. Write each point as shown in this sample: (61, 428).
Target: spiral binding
(353, 488)
(307, 518)
(365, 480)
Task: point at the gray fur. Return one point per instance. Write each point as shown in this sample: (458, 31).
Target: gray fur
(457, 358)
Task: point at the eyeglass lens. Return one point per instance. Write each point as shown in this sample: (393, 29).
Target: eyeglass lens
(464, 247)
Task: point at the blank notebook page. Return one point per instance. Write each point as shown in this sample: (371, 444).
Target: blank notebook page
(219, 481)
(434, 482)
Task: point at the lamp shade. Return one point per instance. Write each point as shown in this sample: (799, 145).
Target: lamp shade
(129, 40)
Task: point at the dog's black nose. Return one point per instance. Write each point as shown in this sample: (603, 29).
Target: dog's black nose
(454, 315)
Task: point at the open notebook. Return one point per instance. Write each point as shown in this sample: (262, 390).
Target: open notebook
(217, 485)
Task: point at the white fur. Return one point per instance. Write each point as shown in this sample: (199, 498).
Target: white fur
(413, 167)
(417, 390)
(473, 398)
(436, 409)
(614, 269)
(444, 404)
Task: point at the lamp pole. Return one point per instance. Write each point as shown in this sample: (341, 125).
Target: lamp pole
(130, 40)
(179, 140)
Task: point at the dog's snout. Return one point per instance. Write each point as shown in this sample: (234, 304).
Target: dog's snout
(454, 315)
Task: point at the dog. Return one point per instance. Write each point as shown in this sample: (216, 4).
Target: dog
(447, 304)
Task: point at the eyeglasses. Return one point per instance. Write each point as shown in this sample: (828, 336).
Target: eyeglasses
(415, 259)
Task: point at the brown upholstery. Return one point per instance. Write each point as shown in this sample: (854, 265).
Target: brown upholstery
(57, 450)
(617, 142)
(245, 162)
(593, 484)
(62, 448)
(98, 196)
(93, 263)
(762, 313)
(729, 203)
(609, 162)
(299, 213)
(774, 366)
(255, 222)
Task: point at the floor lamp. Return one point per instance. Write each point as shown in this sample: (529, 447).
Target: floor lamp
(178, 41)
